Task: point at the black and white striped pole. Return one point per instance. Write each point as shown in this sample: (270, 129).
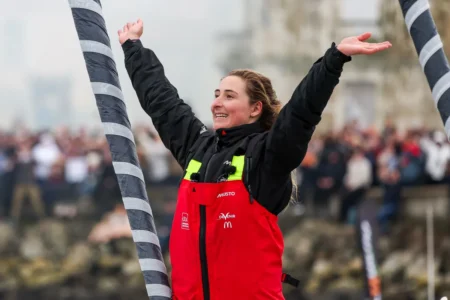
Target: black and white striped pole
(96, 47)
(429, 47)
(434, 62)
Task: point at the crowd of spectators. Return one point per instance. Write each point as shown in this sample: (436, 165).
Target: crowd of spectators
(63, 166)
(348, 162)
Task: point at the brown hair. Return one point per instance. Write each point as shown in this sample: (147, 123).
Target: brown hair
(259, 88)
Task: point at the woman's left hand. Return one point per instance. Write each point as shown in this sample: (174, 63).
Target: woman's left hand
(355, 45)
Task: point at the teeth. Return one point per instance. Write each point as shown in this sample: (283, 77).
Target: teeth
(221, 115)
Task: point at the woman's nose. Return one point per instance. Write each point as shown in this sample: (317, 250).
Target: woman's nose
(217, 102)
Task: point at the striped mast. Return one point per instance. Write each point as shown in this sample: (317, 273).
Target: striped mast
(429, 47)
(101, 67)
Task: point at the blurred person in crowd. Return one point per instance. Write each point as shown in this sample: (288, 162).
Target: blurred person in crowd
(346, 138)
(389, 173)
(412, 159)
(4, 166)
(238, 179)
(88, 188)
(25, 181)
(57, 189)
(62, 137)
(7, 168)
(156, 156)
(93, 163)
(357, 180)
(372, 145)
(75, 166)
(330, 173)
(437, 151)
(389, 128)
(46, 154)
(107, 193)
(307, 178)
(3, 170)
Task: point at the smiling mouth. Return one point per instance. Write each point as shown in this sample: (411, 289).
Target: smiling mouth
(220, 116)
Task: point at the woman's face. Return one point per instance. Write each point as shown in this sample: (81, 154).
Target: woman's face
(231, 106)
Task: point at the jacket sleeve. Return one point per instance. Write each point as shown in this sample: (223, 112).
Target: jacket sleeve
(289, 137)
(171, 116)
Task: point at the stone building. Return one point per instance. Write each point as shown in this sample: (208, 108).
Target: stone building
(283, 38)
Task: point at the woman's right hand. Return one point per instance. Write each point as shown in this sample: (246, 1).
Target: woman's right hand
(131, 31)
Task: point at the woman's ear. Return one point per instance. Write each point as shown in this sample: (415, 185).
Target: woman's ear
(256, 109)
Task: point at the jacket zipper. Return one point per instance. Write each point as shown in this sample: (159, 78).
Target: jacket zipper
(203, 262)
(202, 240)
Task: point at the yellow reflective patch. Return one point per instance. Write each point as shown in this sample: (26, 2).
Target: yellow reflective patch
(193, 167)
(238, 162)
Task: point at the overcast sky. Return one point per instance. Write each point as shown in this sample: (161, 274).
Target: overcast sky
(42, 42)
(39, 41)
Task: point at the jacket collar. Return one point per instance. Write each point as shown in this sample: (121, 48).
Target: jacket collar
(229, 136)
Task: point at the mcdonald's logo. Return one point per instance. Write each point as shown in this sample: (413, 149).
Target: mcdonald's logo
(227, 224)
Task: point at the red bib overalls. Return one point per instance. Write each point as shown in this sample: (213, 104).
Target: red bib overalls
(223, 242)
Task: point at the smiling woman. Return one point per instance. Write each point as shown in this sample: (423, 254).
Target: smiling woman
(225, 241)
(243, 97)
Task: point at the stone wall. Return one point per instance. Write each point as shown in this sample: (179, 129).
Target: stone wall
(325, 257)
(416, 200)
(52, 259)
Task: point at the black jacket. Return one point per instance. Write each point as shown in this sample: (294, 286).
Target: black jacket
(276, 153)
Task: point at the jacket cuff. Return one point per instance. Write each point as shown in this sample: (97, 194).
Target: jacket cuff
(335, 59)
(131, 46)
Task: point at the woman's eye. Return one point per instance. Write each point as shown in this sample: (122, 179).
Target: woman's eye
(229, 97)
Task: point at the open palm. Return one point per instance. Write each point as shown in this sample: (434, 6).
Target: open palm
(356, 45)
